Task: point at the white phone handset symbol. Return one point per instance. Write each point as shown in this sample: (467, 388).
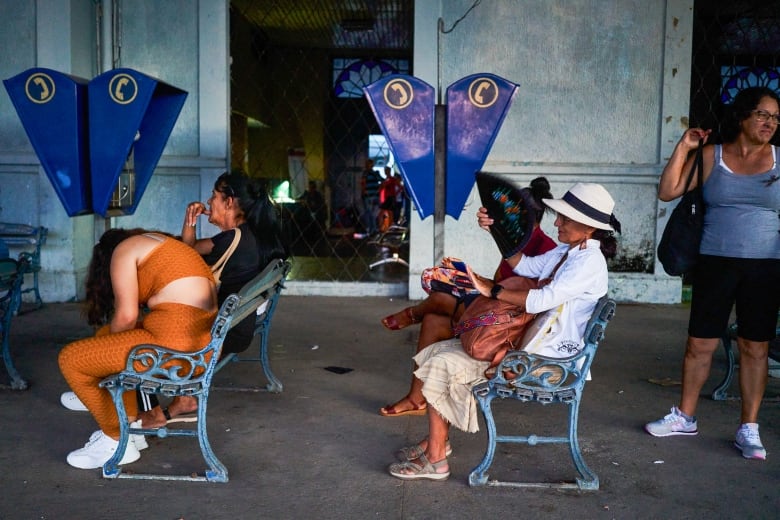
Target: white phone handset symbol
(44, 89)
(118, 90)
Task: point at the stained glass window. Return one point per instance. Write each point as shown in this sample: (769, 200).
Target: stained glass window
(737, 78)
(350, 75)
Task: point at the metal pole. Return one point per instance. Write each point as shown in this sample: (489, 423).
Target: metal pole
(439, 180)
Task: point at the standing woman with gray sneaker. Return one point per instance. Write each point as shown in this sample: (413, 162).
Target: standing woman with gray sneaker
(739, 258)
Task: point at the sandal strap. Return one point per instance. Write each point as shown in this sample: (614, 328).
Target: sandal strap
(398, 467)
(431, 467)
(414, 451)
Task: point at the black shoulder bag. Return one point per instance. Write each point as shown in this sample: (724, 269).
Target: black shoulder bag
(678, 249)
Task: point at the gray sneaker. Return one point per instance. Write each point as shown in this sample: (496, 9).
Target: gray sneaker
(673, 424)
(749, 442)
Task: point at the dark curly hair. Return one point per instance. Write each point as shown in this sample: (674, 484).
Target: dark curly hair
(259, 211)
(99, 304)
(742, 108)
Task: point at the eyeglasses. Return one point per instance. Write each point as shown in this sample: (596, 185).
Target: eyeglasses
(762, 116)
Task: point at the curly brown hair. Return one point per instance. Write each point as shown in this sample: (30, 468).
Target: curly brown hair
(99, 304)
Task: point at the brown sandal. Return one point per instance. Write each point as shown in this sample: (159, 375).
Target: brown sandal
(390, 411)
(393, 323)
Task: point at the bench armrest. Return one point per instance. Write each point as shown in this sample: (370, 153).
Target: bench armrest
(155, 361)
(520, 369)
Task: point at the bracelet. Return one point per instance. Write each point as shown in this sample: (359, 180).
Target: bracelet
(497, 288)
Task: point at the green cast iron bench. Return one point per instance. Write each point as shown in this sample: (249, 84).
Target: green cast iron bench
(543, 380)
(154, 369)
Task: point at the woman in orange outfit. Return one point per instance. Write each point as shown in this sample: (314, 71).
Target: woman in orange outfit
(130, 269)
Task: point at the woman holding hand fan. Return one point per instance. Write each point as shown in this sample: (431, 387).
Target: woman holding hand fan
(448, 286)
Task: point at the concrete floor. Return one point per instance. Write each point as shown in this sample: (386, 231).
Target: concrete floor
(320, 449)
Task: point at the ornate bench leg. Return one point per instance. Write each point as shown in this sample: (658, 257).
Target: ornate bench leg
(588, 479)
(17, 381)
(479, 476)
(721, 391)
(274, 385)
(216, 471)
(38, 299)
(111, 468)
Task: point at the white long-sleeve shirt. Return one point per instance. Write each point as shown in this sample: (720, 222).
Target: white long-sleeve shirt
(566, 303)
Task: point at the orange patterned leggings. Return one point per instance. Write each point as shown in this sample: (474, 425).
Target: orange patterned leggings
(86, 362)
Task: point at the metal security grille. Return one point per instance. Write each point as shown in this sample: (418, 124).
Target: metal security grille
(736, 44)
(300, 122)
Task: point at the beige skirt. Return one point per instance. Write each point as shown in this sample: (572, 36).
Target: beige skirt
(448, 374)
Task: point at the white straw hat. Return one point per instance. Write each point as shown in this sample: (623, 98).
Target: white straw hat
(589, 204)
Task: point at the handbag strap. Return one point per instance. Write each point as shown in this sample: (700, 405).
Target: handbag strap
(549, 277)
(219, 265)
(696, 168)
(483, 320)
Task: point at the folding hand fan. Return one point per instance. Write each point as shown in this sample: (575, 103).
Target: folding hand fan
(512, 209)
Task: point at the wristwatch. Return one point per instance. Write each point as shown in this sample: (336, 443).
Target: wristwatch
(497, 288)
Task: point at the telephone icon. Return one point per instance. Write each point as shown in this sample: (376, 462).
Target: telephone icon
(481, 88)
(44, 88)
(402, 95)
(398, 93)
(483, 92)
(123, 89)
(39, 88)
(119, 86)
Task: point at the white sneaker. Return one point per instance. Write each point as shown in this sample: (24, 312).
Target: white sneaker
(72, 402)
(98, 450)
(674, 423)
(138, 439)
(749, 442)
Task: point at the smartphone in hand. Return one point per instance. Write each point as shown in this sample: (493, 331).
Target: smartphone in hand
(458, 264)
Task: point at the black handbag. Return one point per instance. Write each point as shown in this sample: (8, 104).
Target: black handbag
(678, 250)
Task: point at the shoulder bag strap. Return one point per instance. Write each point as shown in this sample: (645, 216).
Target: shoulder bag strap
(549, 278)
(216, 269)
(697, 168)
(697, 202)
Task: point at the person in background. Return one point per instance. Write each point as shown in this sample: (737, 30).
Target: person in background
(391, 199)
(441, 309)
(370, 182)
(739, 260)
(314, 203)
(130, 269)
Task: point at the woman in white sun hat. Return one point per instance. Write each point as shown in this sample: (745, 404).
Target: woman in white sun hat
(572, 277)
